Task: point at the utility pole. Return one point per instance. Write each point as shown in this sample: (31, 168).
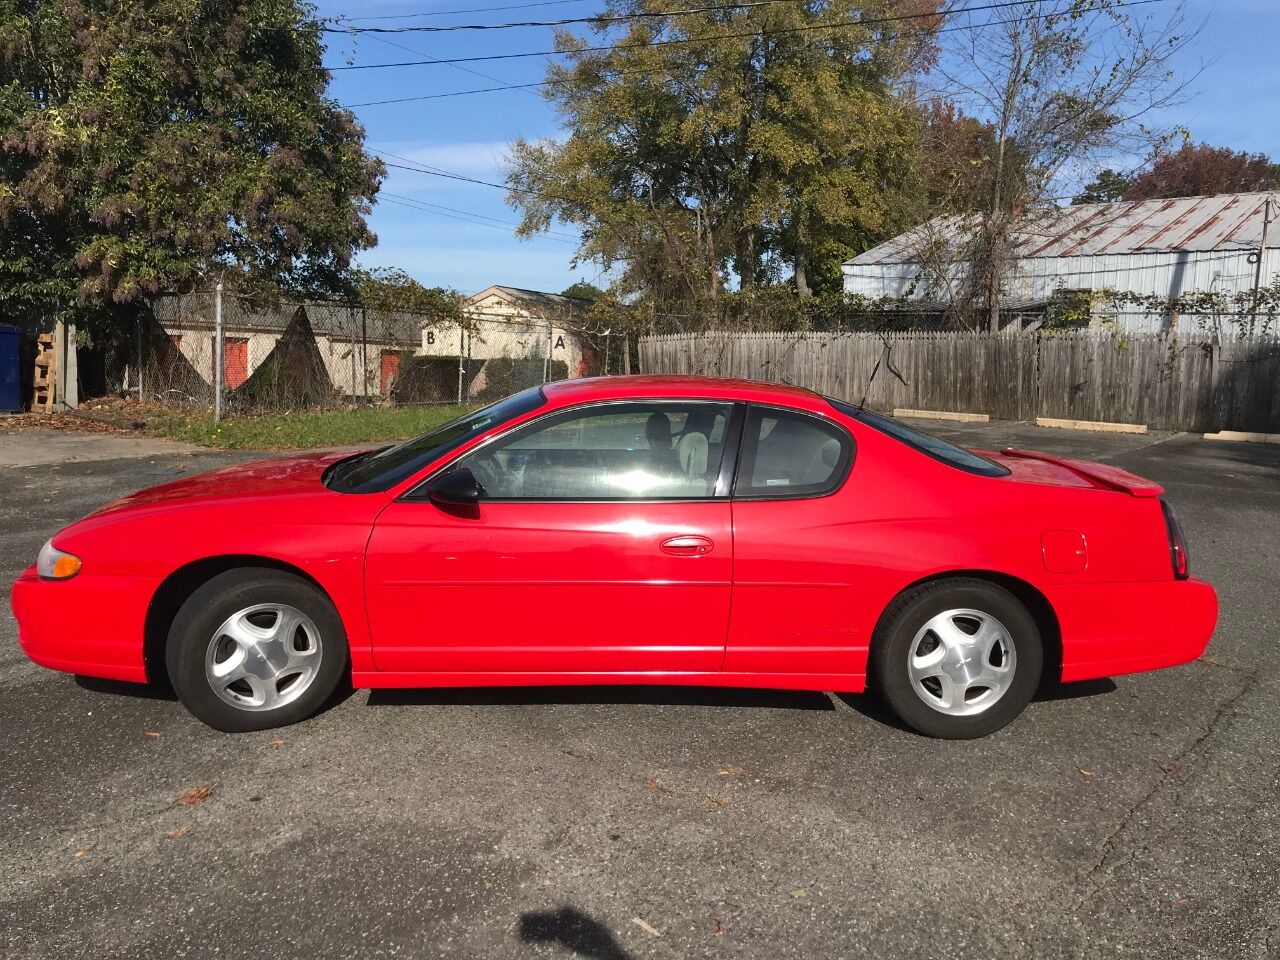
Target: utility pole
(1262, 256)
(546, 362)
(217, 352)
(462, 346)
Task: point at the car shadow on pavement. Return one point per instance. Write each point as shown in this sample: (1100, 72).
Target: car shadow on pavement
(1051, 690)
(655, 695)
(122, 688)
(573, 930)
(873, 708)
(161, 690)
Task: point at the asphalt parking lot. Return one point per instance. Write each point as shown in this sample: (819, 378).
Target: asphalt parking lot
(1130, 818)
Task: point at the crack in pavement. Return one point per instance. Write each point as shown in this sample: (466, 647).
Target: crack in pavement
(1110, 844)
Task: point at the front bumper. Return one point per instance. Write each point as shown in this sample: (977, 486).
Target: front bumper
(1115, 628)
(90, 625)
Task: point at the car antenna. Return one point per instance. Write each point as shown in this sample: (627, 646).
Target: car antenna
(888, 364)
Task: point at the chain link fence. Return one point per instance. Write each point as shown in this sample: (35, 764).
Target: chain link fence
(292, 355)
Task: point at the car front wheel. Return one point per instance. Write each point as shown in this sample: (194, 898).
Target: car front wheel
(957, 658)
(253, 649)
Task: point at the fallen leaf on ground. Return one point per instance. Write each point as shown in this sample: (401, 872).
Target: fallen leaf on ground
(81, 853)
(152, 733)
(656, 787)
(719, 928)
(1088, 773)
(730, 772)
(645, 927)
(1169, 768)
(177, 832)
(195, 795)
(277, 742)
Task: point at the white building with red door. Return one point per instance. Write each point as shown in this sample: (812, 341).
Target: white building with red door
(360, 347)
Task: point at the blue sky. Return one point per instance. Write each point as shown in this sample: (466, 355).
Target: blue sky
(1235, 102)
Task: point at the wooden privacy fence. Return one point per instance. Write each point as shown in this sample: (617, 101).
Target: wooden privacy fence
(1166, 382)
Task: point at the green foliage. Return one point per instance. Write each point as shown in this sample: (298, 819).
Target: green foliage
(724, 156)
(147, 146)
(391, 289)
(583, 291)
(1107, 188)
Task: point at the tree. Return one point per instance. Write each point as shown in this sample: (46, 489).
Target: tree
(583, 291)
(1107, 188)
(1195, 170)
(390, 289)
(1198, 170)
(146, 146)
(1058, 87)
(760, 140)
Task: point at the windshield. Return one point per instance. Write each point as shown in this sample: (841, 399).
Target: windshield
(383, 469)
(926, 443)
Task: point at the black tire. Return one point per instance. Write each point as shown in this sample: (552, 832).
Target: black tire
(198, 620)
(891, 648)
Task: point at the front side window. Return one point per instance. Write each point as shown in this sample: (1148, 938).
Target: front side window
(789, 454)
(616, 451)
(383, 469)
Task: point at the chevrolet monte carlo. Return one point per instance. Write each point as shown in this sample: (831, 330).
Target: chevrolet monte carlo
(638, 530)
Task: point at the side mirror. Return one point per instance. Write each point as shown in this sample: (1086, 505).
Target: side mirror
(457, 488)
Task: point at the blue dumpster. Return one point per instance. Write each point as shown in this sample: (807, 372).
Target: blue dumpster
(10, 374)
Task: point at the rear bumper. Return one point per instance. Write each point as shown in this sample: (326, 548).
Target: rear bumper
(1114, 628)
(88, 625)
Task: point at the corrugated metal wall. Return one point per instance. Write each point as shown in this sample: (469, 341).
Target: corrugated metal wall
(1160, 274)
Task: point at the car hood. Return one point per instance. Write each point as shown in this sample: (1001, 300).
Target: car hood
(276, 477)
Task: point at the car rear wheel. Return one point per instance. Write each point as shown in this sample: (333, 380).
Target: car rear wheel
(957, 658)
(254, 649)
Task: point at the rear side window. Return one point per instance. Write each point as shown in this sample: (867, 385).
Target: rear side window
(786, 454)
(931, 446)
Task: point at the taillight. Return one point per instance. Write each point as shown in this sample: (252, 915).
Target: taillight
(1177, 545)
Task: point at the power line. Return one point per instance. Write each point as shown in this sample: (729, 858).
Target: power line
(436, 207)
(466, 93)
(428, 208)
(602, 18)
(456, 66)
(447, 13)
(625, 73)
(749, 33)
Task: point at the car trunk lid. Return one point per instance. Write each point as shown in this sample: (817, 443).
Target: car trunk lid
(1035, 467)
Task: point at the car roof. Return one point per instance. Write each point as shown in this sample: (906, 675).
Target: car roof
(648, 386)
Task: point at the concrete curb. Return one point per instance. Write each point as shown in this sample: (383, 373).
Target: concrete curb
(1100, 426)
(941, 415)
(1240, 436)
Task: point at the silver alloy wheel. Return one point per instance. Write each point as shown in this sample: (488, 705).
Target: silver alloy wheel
(263, 657)
(961, 662)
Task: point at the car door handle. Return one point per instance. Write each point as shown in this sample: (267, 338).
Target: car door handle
(686, 546)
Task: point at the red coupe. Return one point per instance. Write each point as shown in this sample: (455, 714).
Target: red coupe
(628, 530)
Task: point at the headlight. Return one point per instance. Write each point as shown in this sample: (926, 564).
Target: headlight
(54, 564)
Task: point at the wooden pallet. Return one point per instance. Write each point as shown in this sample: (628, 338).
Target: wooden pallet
(46, 373)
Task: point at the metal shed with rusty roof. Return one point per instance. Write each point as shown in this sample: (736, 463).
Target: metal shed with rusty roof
(1165, 248)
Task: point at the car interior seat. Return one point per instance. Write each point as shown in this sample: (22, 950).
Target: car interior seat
(822, 463)
(693, 451)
